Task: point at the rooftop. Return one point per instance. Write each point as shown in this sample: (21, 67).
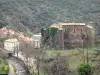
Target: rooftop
(11, 40)
(89, 26)
(38, 34)
(71, 24)
(60, 25)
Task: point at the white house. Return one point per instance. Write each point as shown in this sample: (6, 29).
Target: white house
(37, 40)
(11, 44)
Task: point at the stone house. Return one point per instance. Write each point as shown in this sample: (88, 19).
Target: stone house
(11, 45)
(4, 32)
(72, 34)
(36, 40)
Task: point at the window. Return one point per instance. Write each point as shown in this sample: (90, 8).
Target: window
(81, 30)
(74, 30)
(67, 30)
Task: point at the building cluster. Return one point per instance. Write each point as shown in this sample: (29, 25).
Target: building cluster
(67, 35)
(14, 39)
(71, 35)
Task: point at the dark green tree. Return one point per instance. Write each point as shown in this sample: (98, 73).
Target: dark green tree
(85, 69)
(52, 31)
(2, 24)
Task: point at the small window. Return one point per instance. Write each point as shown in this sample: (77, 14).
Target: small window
(67, 30)
(74, 30)
(81, 30)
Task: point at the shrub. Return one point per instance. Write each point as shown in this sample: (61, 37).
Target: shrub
(85, 69)
(6, 68)
(52, 31)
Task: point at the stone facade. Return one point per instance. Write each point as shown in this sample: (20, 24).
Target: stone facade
(11, 45)
(71, 34)
(36, 40)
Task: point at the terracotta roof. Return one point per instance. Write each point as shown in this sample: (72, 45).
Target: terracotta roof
(26, 39)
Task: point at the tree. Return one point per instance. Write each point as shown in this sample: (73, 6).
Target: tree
(85, 69)
(2, 24)
(55, 66)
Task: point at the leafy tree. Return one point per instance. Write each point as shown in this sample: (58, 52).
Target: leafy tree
(52, 31)
(30, 14)
(85, 69)
(2, 24)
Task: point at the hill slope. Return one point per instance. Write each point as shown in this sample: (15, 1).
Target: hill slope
(26, 15)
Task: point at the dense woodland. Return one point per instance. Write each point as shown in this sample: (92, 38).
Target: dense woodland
(31, 15)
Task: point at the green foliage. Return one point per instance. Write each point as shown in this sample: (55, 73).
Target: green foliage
(52, 31)
(68, 45)
(85, 69)
(34, 14)
(97, 42)
(2, 39)
(2, 24)
(4, 68)
(68, 30)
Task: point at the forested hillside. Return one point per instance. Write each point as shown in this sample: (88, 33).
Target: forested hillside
(26, 15)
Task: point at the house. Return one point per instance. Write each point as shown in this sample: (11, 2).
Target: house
(71, 34)
(36, 40)
(11, 44)
(71, 26)
(4, 32)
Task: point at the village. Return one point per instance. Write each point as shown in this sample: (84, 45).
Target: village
(49, 37)
(60, 38)
(65, 33)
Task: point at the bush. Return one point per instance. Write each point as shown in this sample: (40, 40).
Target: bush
(6, 68)
(52, 31)
(85, 69)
